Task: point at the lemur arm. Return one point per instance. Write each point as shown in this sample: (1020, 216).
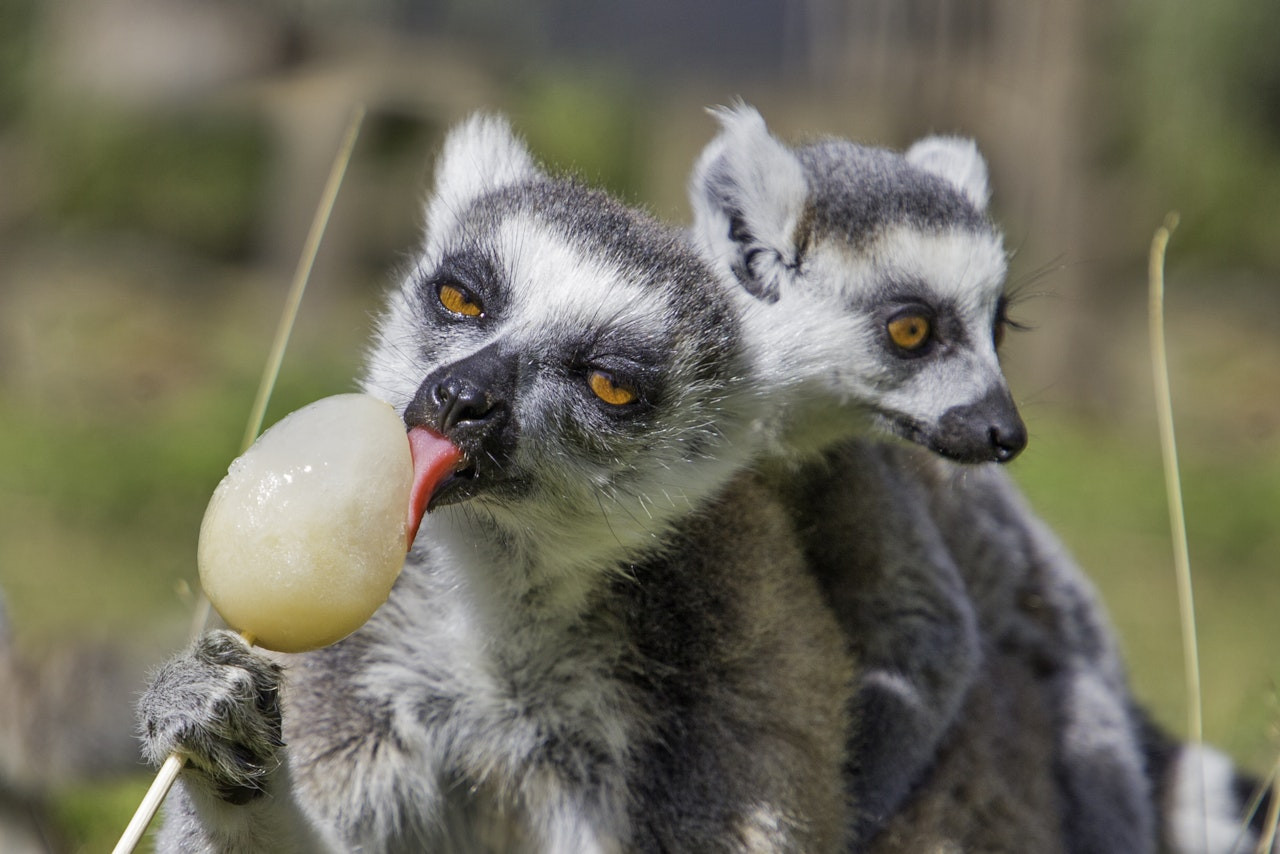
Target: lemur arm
(218, 705)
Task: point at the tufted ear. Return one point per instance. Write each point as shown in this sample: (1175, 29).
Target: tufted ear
(956, 160)
(748, 193)
(479, 156)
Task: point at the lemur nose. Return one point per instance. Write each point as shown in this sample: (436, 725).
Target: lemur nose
(1007, 440)
(457, 399)
(985, 431)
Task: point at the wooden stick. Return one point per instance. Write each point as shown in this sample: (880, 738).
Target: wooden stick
(168, 773)
(155, 796)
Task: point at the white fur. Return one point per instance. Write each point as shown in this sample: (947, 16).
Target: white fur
(555, 283)
(958, 161)
(1204, 815)
(897, 684)
(764, 830)
(954, 264)
(769, 187)
(479, 156)
(454, 632)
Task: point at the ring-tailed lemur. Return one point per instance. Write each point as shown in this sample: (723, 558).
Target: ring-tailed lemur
(604, 638)
(880, 282)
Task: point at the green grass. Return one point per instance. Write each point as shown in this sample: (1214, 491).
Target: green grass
(94, 815)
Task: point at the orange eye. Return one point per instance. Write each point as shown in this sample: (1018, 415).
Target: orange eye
(610, 392)
(910, 332)
(459, 301)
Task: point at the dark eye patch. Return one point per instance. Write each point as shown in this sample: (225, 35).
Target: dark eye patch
(630, 360)
(461, 281)
(913, 322)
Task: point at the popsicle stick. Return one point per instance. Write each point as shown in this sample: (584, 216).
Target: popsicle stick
(155, 796)
(168, 773)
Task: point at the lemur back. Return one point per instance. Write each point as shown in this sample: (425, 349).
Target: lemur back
(604, 638)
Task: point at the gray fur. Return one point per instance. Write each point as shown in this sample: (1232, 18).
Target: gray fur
(221, 708)
(891, 578)
(904, 608)
(857, 191)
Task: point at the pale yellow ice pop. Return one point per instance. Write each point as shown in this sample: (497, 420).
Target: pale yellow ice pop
(306, 534)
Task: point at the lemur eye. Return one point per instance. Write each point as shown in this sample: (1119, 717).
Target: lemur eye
(458, 301)
(613, 393)
(910, 331)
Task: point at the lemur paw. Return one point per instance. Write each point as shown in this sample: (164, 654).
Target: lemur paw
(217, 705)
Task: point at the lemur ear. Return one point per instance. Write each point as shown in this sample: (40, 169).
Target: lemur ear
(957, 160)
(748, 193)
(479, 156)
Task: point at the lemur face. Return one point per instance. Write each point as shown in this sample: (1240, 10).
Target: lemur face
(582, 358)
(923, 360)
(884, 267)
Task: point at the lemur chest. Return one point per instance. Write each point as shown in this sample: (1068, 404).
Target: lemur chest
(497, 681)
(486, 733)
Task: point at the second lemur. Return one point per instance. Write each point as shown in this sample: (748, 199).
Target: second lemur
(879, 286)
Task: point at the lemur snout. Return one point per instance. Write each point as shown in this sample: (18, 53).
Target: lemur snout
(987, 430)
(458, 398)
(1008, 440)
(470, 403)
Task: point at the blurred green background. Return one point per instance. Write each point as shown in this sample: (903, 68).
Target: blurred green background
(160, 161)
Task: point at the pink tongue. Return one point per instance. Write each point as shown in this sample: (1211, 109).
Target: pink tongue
(434, 459)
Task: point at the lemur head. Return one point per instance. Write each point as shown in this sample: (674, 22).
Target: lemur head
(880, 280)
(584, 359)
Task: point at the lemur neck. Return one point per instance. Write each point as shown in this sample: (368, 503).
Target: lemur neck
(517, 576)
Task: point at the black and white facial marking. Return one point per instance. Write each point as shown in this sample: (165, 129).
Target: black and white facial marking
(581, 355)
(880, 274)
(934, 306)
